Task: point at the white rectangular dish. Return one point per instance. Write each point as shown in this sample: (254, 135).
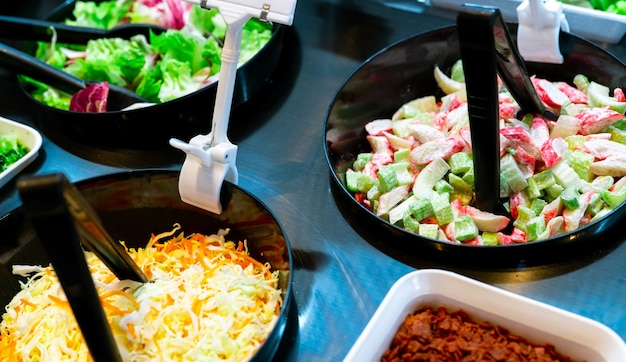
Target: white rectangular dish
(575, 336)
(29, 137)
(589, 23)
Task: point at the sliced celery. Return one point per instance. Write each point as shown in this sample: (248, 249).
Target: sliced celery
(614, 199)
(429, 230)
(535, 227)
(465, 228)
(410, 223)
(387, 179)
(569, 198)
(532, 190)
(361, 160)
(617, 135)
(581, 82)
(565, 176)
(443, 186)
(490, 238)
(580, 161)
(398, 212)
(596, 204)
(401, 155)
(351, 180)
(537, 205)
(599, 97)
(421, 209)
(544, 179)
(512, 173)
(442, 208)
(373, 193)
(460, 162)
(468, 177)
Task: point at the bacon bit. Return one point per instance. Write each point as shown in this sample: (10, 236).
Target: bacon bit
(440, 335)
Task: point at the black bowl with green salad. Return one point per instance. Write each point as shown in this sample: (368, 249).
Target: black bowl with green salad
(175, 70)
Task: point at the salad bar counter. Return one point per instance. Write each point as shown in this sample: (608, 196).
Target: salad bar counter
(348, 267)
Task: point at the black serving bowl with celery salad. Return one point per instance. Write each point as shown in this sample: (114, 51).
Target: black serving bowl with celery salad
(176, 70)
(398, 144)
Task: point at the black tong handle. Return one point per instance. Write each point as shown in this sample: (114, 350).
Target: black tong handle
(487, 50)
(33, 29)
(44, 201)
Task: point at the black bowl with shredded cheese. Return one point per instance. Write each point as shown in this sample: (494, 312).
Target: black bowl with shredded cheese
(219, 290)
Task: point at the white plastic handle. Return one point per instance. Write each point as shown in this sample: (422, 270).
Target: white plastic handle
(539, 28)
(211, 158)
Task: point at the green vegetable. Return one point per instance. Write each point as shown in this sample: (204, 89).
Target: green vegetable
(11, 150)
(421, 209)
(465, 228)
(442, 208)
(569, 197)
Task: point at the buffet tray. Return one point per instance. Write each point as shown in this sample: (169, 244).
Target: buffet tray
(29, 137)
(571, 334)
(592, 24)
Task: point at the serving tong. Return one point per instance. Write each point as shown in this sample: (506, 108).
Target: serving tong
(63, 220)
(18, 28)
(487, 50)
(211, 158)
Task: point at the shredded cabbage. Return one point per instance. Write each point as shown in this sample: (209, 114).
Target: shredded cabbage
(207, 300)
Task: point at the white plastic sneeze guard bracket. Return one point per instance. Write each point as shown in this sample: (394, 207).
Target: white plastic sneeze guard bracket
(539, 28)
(275, 11)
(211, 159)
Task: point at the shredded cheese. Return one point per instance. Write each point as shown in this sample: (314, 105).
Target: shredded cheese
(208, 300)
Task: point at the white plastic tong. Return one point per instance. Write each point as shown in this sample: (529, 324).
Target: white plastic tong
(211, 158)
(538, 31)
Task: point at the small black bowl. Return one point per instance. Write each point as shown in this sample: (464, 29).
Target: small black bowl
(135, 205)
(402, 72)
(152, 127)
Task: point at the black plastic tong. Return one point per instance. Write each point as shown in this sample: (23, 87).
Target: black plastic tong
(63, 219)
(487, 50)
(32, 29)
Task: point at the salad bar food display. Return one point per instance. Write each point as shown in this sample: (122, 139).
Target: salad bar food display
(304, 263)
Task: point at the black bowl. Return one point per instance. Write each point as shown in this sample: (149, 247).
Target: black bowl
(404, 71)
(152, 127)
(133, 205)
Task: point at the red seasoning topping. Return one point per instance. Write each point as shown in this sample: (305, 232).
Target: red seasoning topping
(438, 335)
